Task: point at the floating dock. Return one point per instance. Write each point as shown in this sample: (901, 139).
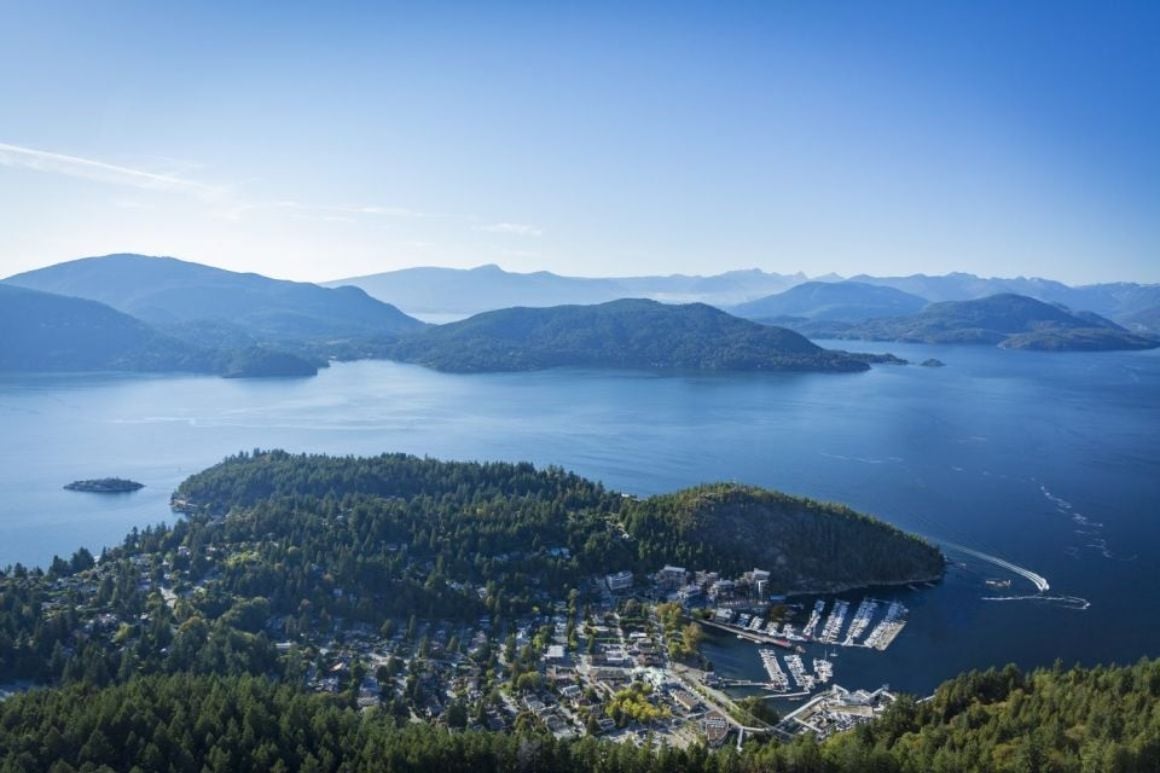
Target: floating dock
(815, 618)
(834, 622)
(777, 677)
(861, 621)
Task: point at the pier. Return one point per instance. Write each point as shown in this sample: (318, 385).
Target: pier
(745, 633)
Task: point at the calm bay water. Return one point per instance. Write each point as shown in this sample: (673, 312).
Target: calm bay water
(1049, 461)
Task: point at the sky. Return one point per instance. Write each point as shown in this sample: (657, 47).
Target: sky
(319, 141)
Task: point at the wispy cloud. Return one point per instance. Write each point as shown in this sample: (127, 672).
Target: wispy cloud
(328, 210)
(89, 169)
(226, 201)
(515, 229)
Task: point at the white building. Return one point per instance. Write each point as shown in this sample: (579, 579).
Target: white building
(619, 581)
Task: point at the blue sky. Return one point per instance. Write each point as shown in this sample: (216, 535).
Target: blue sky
(314, 141)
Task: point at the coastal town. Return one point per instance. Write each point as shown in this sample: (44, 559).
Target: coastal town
(620, 658)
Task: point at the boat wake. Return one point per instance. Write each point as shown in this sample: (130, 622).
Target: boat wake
(862, 459)
(1083, 526)
(1038, 580)
(1068, 602)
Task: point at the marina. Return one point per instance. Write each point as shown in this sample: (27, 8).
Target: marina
(809, 641)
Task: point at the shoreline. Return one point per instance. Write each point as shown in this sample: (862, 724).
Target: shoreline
(864, 586)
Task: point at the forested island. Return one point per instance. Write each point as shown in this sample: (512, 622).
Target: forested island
(631, 334)
(105, 485)
(1006, 320)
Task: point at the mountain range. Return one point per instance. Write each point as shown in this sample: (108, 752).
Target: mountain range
(462, 292)
(131, 312)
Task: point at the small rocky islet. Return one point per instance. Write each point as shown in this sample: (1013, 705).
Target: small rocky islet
(105, 485)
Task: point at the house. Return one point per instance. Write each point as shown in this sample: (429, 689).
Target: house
(686, 700)
(671, 577)
(716, 729)
(759, 579)
(722, 589)
(619, 581)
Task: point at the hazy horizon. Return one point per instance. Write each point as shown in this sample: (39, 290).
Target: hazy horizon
(996, 139)
(506, 269)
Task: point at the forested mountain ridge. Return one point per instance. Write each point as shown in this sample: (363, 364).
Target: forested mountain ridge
(44, 332)
(1100, 719)
(835, 301)
(630, 334)
(167, 291)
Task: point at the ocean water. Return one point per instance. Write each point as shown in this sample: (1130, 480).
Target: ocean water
(1050, 462)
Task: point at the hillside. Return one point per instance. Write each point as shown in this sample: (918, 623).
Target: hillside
(429, 290)
(635, 334)
(1144, 321)
(44, 332)
(1013, 321)
(805, 545)
(166, 291)
(835, 301)
(1098, 719)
